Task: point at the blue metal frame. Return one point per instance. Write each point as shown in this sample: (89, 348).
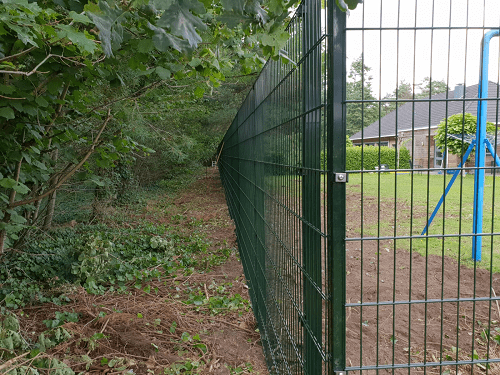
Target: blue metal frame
(456, 172)
(483, 144)
(482, 110)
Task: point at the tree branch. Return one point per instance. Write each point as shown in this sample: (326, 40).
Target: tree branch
(9, 98)
(33, 71)
(13, 57)
(72, 170)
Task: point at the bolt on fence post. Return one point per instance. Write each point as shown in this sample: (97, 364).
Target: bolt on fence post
(336, 200)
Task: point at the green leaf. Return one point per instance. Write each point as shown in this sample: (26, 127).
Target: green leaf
(145, 45)
(21, 188)
(276, 39)
(82, 18)
(182, 22)
(162, 72)
(8, 183)
(26, 157)
(253, 7)
(79, 39)
(7, 112)
(54, 85)
(40, 165)
(195, 62)
(199, 91)
(203, 347)
(344, 5)
(163, 40)
(109, 22)
(16, 218)
(7, 89)
(11, 323)
(162, 4)
(234, 5)
(40, 100)
(173, 327)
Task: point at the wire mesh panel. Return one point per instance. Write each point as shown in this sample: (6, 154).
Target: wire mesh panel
(422, 229)
(273, 166)
(377, 253)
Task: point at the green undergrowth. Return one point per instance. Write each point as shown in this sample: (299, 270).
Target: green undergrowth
(33, 361)
(100, 259)
(128, 251)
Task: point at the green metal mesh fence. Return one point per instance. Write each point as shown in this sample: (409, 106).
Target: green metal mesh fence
(383, 257)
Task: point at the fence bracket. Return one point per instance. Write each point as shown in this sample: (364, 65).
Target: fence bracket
(340, 372)
(341, 177)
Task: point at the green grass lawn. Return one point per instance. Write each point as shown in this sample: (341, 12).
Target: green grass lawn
(417, 197)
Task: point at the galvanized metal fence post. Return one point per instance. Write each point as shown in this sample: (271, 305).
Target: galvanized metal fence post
(336, 200)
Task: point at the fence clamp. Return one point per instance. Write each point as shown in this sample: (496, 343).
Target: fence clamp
(340, 372)
(341, 178)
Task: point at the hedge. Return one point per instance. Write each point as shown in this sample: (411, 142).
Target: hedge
(371, 157)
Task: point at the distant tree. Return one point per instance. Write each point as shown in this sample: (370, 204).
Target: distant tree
(430, 88)
(403, 91)
(359, 87)
(458, 124)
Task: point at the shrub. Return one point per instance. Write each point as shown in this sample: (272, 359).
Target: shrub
(404, 158)
(458, 124)
(369, 157)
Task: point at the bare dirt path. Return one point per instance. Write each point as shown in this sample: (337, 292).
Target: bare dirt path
(199, 322)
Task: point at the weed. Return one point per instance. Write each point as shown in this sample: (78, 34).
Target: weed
(61, 318)
(244, 368)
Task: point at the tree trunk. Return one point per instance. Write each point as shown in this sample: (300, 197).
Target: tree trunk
(51, 204)
(6, 217)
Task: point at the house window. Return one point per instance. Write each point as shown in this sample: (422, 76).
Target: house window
(377, 144)
(439, 157)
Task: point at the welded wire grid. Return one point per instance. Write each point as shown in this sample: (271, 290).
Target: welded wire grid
(273, 167)
(344, 276)
(416, 300)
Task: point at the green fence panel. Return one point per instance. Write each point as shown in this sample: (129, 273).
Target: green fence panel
(353, 265)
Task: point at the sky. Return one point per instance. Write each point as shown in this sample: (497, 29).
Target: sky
(409, 55)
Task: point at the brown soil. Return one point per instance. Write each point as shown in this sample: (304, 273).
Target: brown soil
(381, 271)
(138, 326)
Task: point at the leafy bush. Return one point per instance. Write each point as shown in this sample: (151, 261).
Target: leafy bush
(369, 157)
(12, 341)
(458, 124)
(404, 158)
(95, 256)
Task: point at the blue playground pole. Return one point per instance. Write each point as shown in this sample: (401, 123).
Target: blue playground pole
(481, 143)
(482, 111)
(448, 187)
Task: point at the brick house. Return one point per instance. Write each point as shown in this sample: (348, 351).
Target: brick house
(418, 121)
